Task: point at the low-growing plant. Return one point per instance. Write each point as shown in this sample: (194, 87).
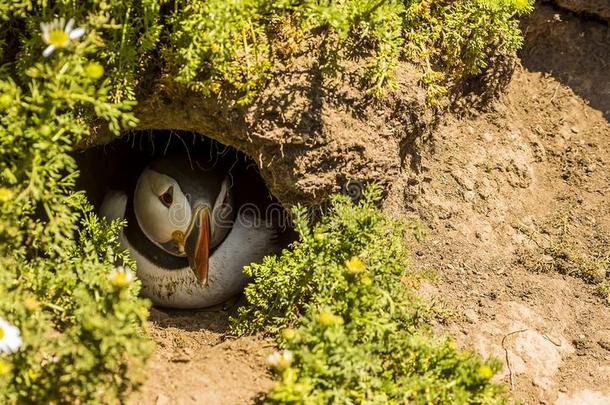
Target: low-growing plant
(354, 331)
(456, 40)
(565, 252)
(214, 45)
(80, 323)
(72, 325)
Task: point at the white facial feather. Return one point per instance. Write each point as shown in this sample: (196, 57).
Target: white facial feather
(157, 221)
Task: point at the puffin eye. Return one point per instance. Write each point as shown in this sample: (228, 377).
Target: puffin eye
(167, 198)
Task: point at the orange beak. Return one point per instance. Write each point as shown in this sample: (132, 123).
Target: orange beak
(198, 247)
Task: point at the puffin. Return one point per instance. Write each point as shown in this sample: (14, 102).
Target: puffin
(185, 235)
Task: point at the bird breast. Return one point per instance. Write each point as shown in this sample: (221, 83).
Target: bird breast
(179, 288)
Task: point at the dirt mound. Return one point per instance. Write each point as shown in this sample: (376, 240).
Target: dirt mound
(573, 50)
(310, 135)
(491, 189)
(197, 363)
(517, 194)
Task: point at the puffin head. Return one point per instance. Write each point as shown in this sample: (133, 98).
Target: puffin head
(184, 211)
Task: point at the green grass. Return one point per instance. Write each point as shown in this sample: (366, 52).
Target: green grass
(215, 45)
(567, 252)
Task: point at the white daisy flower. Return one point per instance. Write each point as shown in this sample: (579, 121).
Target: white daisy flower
(58, 34)
(121, 277)
(280, 360)
(10, 337)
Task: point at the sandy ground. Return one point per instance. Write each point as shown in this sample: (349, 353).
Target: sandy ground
(196, 362)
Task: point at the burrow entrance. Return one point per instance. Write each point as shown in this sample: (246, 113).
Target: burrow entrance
(117, 166)
(193, 262)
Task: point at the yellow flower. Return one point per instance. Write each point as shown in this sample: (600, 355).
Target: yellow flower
(94, 70)
(121, 277)
(521, 5)
(327, 318)
(485, 372)
(58, 34)
(5, 368)
(355, 266)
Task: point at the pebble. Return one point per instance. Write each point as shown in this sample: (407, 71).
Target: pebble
(471, 315)
(162, 399)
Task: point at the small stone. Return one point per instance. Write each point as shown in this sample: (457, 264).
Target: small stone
(156, 315)
(471, 315)
(162, 399)
(487, 137)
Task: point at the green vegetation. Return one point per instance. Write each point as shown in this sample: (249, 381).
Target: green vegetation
(566, 252)
(81, 331)
(71, 323)
(342, 303)
(573, 261)
(213, 45)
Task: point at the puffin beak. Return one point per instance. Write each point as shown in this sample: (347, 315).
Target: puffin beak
(197, 246)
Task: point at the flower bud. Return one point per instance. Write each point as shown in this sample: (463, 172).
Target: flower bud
(288, 334)
(94, 70)
(31, 304)
(355, 266)
(5, 194)
(327, 318)
(5, 101)
(366, 281)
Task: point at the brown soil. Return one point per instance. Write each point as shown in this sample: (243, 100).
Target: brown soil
(504, 192)
(197, 363)
(588, 8)
(499, 191)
